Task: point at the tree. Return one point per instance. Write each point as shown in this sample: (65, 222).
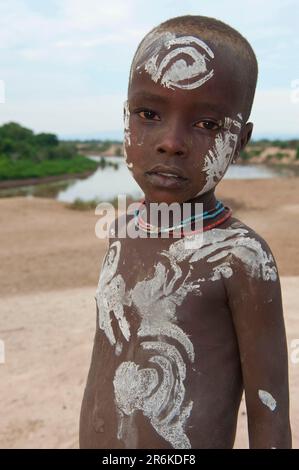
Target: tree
(46, 140)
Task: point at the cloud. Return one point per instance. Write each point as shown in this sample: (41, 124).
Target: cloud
(90, 15)
(275, 113)
(83, 115)
(61, 54)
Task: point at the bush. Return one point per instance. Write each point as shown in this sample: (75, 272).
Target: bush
(25, 155)
(21, 169)
(244, 155)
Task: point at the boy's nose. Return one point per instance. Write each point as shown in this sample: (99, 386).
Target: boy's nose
(172, 143)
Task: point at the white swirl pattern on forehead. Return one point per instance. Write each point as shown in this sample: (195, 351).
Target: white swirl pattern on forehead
(171, 73)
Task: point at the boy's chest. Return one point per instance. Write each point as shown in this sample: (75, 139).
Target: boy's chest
(153, 288)
(164, 328)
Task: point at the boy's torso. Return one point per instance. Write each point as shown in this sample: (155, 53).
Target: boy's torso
(165, 370)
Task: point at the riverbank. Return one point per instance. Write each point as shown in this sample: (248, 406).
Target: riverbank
(46, 179)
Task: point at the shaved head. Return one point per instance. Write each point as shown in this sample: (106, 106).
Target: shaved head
(230, 44)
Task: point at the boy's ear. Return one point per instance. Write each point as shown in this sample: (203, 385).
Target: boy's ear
(243, 140)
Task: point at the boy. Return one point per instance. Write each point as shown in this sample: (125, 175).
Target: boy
(182, 332)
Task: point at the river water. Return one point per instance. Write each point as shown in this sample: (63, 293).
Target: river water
(114, 178)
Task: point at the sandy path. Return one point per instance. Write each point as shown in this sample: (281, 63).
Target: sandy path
(48, 340)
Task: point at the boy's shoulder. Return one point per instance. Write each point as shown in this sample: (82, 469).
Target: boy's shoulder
(234, 248)
(239, 227)
(248, 251)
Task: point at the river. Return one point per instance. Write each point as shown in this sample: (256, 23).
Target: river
(108, 181)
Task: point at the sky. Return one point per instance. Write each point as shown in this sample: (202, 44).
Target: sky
(64, 64)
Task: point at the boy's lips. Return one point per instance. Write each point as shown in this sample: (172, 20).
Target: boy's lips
(166, 176)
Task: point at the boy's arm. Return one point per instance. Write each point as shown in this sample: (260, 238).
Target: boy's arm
(257, 314)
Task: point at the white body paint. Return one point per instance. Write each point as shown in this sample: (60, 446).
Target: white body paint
(156, 300)
(141, 389)
(111, 296)
(161, 395)
(164, 57)
(157, 55)
(127, 133)
(219, 157)
(267, 399)
(118, 348)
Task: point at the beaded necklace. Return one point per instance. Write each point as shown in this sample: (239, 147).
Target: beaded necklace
(210, 214)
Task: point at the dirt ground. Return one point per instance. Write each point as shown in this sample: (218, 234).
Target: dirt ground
(50, 260)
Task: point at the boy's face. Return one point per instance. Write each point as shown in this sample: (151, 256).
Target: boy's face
(183, 118)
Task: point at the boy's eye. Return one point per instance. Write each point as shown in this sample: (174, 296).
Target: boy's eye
(208, 125)
(148, 114)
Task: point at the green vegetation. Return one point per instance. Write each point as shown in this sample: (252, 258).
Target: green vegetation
(98, 146)
(24, 154)
(80, 205)
(103, 163)
(279, 155)
(249, 152)
(284, 149)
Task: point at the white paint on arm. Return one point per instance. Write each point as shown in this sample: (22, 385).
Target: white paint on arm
(267, 399)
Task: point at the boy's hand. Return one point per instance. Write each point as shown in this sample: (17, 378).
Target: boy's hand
(257, 314)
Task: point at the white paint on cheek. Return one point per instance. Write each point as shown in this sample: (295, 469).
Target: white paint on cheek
(220, 155)
(127, 123)
(237, 124)
(240, 116)
(127, 133)
(171, 73)
(218, 159)
(228, 122)
(267, 399)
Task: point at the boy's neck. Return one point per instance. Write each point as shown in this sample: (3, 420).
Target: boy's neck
(208, 201)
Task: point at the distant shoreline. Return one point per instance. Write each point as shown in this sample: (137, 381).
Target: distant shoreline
(45, 179)
(8, 184)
